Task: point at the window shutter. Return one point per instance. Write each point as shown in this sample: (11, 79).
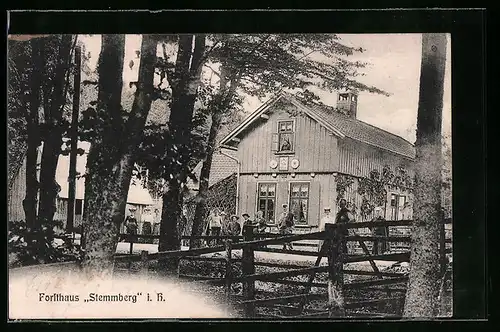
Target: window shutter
(274, 145)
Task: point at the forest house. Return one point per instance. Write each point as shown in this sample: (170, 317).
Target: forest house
(308, 156)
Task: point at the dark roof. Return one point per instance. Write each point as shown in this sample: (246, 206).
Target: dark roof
(362, 131)
(222, 167)
(338, 123)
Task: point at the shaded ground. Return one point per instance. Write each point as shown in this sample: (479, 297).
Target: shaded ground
(271, 289)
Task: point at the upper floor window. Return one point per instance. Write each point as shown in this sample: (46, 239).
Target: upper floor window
(343, 97)
(285, 136)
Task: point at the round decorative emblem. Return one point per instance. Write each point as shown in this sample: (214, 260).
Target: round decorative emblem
(273, 164)
(294, 163)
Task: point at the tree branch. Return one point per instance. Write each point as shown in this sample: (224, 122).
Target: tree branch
(213, 70)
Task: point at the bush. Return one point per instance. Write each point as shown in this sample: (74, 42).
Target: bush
(47, 245)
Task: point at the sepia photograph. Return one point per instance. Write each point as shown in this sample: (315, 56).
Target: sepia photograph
(229, 176)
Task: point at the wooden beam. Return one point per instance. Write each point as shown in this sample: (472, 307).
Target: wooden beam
(281, 274)
(372, 273)
(399, 257)
(378, 282)
(287, 299)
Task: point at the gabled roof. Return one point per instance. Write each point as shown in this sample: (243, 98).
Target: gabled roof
(222, 167)
(339, 124)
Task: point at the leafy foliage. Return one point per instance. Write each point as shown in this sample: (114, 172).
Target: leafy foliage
(268, 63)
(343, 182)
(374, 187)
(49, 246)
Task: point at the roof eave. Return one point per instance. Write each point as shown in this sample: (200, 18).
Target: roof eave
(255, 115)
(310, 113)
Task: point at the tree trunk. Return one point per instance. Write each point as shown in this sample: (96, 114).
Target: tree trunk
(422, 294)
(111, 157)
(17, 149)
(201, 204)
(53, 138)
(218, 111)
(17, 109)
(184, 93)
(30, 200)
(48, 185)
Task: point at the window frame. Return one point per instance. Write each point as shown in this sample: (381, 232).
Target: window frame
(275, 198)
(292, 133)
(395, 210)
(290, 184)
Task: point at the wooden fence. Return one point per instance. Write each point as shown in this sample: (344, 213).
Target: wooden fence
(334, 239)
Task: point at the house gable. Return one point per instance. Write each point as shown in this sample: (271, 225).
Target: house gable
(337, 124)
(260, 142)
(281, 101)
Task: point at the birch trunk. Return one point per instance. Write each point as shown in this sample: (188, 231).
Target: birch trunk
(422, 293)
(201, 205)
(184, 92)
(111, 156)
(217, 113)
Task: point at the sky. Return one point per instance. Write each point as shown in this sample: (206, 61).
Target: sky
(394, 67)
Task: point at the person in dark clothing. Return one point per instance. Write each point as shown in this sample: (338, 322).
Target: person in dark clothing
(285, 225)
(233, 227)
(343, 217)
(131, 224)
(379, 246)
(246, 220)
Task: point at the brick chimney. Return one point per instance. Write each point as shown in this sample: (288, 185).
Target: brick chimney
(347, 103)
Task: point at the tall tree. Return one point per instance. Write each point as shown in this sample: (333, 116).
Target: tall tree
(114, 136)
(184, 81)
(40, 69)
(17, 104)
(423, 285)
(56, 57)
(257, 65)
(30, 200)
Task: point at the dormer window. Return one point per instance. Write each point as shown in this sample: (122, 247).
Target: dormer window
(343, 97)
(284, 141)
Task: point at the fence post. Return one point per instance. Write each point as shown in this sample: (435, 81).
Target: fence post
(248, 267)
(131, 239)
(144, 262)
(228, 244)
(335, 241)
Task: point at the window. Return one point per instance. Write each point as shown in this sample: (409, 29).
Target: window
(398, 205)
(266, 200)
(285, 136)
(299, 199)
(343, 97)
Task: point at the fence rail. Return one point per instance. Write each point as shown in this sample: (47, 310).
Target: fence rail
(333, 248)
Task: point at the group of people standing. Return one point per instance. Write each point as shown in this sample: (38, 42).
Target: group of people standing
(219, 224)
(149, 222)
(344, 216)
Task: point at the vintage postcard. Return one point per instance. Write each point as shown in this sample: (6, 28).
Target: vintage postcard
(263, 176)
